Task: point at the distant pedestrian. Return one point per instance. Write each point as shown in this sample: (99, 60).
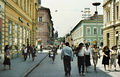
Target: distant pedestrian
(87, 56)
(53, 53)
(106, 57)
(41, 48)
(28, 50)
(95, 56)
(81, 58)
(113, 55)
(25, 53)
(7, 57)
(118, 54)
(67, 56)
(33, 52)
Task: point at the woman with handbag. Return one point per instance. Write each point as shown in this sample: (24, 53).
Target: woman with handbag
(7, 58)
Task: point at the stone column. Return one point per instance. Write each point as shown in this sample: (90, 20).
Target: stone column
(18, 29)
(6, 32)
(13, 38)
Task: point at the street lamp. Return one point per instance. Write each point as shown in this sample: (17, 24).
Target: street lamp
(96, 4)
(96, 14)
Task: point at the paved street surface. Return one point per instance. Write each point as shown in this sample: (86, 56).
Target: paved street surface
(47, 69)
(20, 67)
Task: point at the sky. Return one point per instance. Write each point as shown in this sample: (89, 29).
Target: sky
(66, 14)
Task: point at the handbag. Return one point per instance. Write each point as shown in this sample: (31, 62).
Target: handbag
(8, 57)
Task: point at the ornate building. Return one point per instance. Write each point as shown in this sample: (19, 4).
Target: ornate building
(111, 29)
(18, 21)
(45, 30)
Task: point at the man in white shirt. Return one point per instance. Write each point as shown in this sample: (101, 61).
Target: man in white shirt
(67, 56)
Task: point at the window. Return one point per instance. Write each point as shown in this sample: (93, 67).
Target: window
(30, 10)
(117, 12)
(101, 31)
(108, 16)
(24, 36)
(88, 32)
(40, 19)
(9, 33)
(21, 3)
(20, 36)
(25, 5)
(108, 39)
(0, 35)
(28, 6)
(27, 34)
(95, 31)
(16, 34)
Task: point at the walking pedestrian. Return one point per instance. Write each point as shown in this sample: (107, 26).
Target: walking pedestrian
(106, 57)
(118, 54)
(80, 58)
(33, 52)
(23, 51)
(95, 56)
(28, 50)
(67, 56)
(7, 57)
(41, 48)
(53, 53)
(113, 55)
(87, 56)
(25, 54)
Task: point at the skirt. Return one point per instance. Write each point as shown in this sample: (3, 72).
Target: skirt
(119, 60)
(105, 60)
(7, 61)
(87, 60)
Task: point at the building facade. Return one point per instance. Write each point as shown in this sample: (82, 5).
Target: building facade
(111, 29)
(18, 21)
(2, 20)
(88, 31)
(45, 29)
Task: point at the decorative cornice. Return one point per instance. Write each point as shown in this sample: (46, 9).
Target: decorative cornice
(106, 3)
(111, 26)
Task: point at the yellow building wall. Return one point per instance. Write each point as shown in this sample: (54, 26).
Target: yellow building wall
(12, 12)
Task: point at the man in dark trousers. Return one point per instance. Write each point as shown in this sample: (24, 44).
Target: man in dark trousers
(67, 56)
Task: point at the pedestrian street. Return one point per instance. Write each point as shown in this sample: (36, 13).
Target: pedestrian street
(47, 69)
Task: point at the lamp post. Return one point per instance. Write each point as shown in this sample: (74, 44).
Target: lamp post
(96, 4)
(96, 14)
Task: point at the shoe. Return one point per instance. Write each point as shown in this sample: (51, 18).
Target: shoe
(69, 74)
(83, 74)
(65, 74)
(80, 74)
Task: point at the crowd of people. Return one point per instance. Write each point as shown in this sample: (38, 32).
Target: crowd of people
(84, 55)
(26, 51)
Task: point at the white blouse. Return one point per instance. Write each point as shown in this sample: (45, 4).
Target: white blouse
(81, 52)
(118, 52)
(87, 51)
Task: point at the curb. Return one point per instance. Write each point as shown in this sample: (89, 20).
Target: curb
(32, 68)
